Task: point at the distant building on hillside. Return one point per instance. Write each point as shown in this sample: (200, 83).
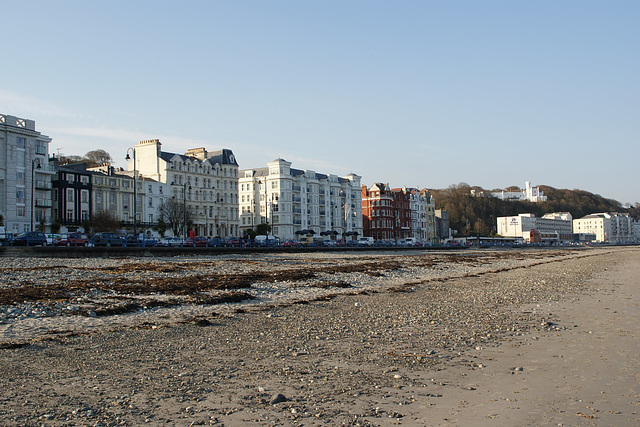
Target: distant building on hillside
(532, 194)
(608, 227)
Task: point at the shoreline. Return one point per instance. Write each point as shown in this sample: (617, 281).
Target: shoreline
(387, 356)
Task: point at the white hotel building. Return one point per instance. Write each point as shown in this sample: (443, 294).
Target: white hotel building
(554, 227)
(611, 227)
(206, 181)
(293, 201)
(25, 175)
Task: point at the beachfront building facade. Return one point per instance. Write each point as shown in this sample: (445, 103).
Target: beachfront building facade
(552, 227)
(25, 175)
(203, 182)
(293, 203)
(377, 211)
(422, 212)
(113, 196)
(608, 227)
(398, 213)
(71, 195)
(443, 231)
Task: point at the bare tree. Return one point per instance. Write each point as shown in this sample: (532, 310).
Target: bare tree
(174, 215)
(103, 221)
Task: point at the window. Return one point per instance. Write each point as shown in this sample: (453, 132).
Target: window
(69, 194)
(20, 196)
(85, 215)
(150, 202)
(20, 142)
(84, 196)
(150, 189)
(84, 179)
(20, 175)
(98, 196)
(20, 211)
(70, 215)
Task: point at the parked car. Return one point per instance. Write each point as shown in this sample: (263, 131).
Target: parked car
(148, 241)
(290, 244)
(107, 240)
(170, 242)
(264, 240)
(51, 237)
(216, 242)
(329, 243)
(30, 238)
(197, 242)
(234, 242)
(71, 239)
(5, 238)
(365, 241)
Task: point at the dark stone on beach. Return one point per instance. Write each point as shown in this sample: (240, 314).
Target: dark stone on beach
(278, 398)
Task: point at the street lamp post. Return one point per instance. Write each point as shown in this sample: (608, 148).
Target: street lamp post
(135, 194)
(184, 198)
(33, 187)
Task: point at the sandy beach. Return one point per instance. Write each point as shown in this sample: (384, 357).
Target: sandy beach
(511, 338)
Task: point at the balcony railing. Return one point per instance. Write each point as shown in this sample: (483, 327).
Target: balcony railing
(43, 185)
(46, 169)
(43, 203)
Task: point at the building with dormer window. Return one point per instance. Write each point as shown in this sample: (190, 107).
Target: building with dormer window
(205, 181)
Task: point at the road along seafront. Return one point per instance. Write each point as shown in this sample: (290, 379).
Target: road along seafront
(309, 339)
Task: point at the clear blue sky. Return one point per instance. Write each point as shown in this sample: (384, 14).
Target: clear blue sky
(417, 93)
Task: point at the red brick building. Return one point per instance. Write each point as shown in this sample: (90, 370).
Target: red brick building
(378, 219)
(401, 213)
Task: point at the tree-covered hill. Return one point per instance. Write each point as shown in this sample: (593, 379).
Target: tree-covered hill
(472, 210)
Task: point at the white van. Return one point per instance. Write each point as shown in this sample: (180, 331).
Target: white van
(365, 241)
(411, 241)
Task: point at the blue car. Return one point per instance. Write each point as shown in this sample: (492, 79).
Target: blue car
(30, 238)
(107, 239)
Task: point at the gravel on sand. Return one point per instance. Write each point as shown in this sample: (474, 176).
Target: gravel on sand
(307, 339)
